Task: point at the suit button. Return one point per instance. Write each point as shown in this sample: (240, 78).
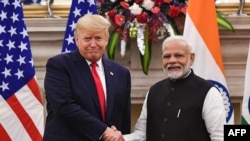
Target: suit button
(165, 119)
(172, 89)
(168, 104)
(162, 135)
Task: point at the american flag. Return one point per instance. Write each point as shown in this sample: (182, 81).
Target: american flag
(21, 106)
(77, 10)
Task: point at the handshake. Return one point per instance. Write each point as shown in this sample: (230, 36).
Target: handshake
(112, 134)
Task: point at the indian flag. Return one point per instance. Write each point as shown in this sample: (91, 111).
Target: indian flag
(246, 98)
(201, 30)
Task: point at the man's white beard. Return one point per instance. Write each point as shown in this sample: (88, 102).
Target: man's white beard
(178, 74)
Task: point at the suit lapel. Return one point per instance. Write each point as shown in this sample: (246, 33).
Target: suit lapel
(109, 76)
(85, 73)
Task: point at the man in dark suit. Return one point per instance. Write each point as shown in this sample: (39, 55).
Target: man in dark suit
(74, 112)
(183, 106)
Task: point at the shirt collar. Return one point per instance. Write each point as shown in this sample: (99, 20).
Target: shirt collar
(99, 62)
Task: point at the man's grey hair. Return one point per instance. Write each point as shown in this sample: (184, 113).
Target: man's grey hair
(180, 39)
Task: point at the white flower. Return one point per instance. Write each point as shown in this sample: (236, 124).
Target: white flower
(148, 4)
(135, 9)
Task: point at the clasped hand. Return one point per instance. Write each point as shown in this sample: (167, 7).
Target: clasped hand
(112, 134)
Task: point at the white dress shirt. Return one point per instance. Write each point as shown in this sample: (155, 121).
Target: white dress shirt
(213, 114)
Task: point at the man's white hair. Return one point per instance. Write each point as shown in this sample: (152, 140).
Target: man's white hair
(180, 39)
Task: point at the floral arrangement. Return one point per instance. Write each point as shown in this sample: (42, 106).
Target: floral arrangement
(147, 21)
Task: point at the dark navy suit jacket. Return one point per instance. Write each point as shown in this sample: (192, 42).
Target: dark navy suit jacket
(72, 103)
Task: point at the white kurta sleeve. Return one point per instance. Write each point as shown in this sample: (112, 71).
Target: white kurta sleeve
(139, 133)
(213, 113)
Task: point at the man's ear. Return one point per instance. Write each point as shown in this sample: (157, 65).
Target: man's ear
(192, 57)
(76, 40)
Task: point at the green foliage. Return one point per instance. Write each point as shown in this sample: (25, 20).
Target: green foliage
(223, 22)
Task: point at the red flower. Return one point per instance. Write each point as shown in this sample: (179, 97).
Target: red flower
(155, 10)
(124, 5)
(138, 1)
(174, 11)
(111, 14)
(167, 1)
(119, 19)
(142, 18)
(158, 2)
(184, 9)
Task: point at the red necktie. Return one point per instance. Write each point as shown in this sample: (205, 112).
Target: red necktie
(99, 88)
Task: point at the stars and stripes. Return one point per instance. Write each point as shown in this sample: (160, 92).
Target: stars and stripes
(21, 114)
(77, 10)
